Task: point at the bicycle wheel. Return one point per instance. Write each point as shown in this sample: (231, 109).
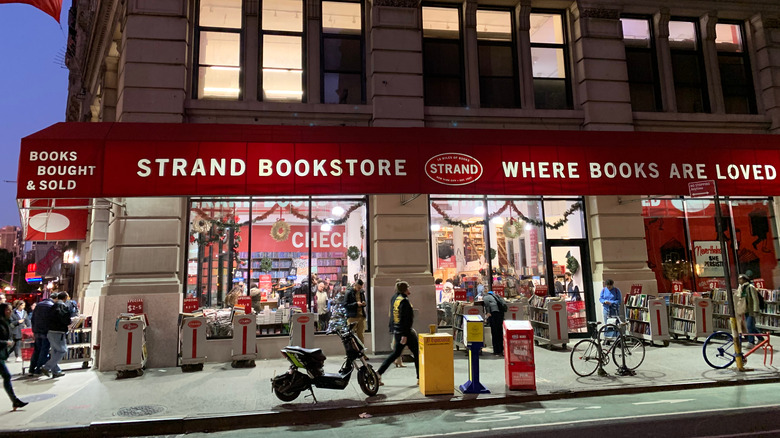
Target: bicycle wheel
(718, 350)
(585, 358)
(635, 352)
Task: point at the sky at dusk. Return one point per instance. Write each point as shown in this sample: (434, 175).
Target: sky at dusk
(33, 87)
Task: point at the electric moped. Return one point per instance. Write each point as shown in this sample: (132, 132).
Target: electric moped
(306, 369)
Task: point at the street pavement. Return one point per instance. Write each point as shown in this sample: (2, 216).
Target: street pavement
(167, 401)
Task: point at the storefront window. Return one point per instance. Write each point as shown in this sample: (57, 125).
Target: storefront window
(474, 236)
(272, 256)
(683, 244)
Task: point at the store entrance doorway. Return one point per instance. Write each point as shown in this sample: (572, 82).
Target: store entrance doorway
(571, 255)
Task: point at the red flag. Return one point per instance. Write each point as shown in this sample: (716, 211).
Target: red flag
(51, 7)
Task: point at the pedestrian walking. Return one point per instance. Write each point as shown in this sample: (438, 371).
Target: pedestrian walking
(6, 344)
(746, 307)
(40, 325)
(495, 308)
(356, 308)
(58, 329)
(18, 322)
(402, 318)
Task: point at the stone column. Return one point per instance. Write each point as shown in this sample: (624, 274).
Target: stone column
(94, 261)
(712, 67)
(526, 86)
(766, 41)
(395, 82)
(601, 75)
(664, 56)
(471, 57)
(400, 249)
(145, 237)
(618, 246)
(152, 68)
(144, 260)
(313, 64)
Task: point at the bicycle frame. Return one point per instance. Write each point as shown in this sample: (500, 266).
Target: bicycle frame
(764, 344)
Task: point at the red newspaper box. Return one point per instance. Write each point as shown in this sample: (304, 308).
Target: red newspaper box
(519, 355)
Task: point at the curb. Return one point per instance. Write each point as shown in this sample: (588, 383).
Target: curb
(335, 413)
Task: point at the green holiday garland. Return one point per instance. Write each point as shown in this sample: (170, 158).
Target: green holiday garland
(265, 264)
(554, 226)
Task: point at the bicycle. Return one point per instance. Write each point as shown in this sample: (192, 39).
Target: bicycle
(588, 355)
(718, 349)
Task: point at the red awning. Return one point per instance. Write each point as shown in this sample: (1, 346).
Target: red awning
(93, 160)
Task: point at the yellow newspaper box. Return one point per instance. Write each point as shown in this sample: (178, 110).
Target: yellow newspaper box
(437, 374)
(474, 328)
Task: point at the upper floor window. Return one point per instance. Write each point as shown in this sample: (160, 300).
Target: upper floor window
(282, 50)
(643, 78)
(735, 76)
(218, 52)
(498, 85)
(443, 73)
(343, 75)
(690, 83)
(549, 54)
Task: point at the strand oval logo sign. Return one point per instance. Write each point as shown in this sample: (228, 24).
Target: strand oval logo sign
(303, 319)
(194, 324)
(453, 169)
(557, 307)
(244, 321)
(130, 326)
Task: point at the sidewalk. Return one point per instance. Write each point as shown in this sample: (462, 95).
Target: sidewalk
(167, 401)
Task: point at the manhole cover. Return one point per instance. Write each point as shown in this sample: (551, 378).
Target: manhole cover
(140, 411)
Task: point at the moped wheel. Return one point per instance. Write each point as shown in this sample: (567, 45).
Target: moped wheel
(286, 396)
(368, 380)
(718, 350)
(585, 358)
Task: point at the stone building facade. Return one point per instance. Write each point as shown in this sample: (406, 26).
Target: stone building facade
(148, 61)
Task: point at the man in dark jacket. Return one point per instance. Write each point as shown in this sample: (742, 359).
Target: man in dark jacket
(40, 325)
(402, 317)
(58, 328)
(356, 308)
(495, 313)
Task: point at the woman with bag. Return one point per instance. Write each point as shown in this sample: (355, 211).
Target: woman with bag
(6, 345)
(18, 322)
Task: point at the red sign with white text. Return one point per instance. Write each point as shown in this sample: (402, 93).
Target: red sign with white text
(759, 283)
(55, 219)
(636, 289)
(246, 303)
(334, 240)
(91, 160)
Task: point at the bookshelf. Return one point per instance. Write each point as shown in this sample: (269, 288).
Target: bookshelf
(769, 318)
(720, 310)
(549, 320)
(648, 318)
(474, 242)
(79, 341)
(330, 265)
(690, 316)
(463, 308)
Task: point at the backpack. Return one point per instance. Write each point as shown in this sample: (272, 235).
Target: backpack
(501, 303)
(761, 301)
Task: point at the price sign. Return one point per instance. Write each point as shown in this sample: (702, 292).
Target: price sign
(759, 283)
(713, 284)
(299, 300)
(677, 286)
(498, 289)
(636, 289)
(190, 305)
(541, 290)
(246, 303)
(460, 294)
(135, 306)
